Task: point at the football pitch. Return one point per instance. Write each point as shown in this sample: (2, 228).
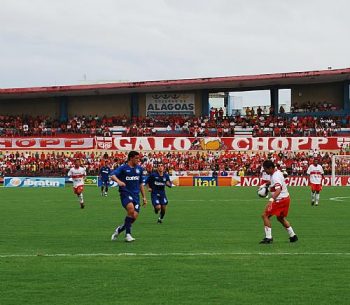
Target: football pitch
(207, 250)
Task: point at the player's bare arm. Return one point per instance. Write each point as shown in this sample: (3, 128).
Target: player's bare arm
(142, 189)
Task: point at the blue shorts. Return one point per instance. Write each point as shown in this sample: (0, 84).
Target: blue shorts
(159, 198)
(126, 198)
(105, 182)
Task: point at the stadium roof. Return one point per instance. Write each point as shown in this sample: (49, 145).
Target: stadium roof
(213, 84)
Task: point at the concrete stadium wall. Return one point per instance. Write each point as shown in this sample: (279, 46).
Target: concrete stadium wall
(318, 93)
(110, 105)
(33, 107)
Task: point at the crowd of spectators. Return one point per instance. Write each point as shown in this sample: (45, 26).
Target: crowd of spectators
(243, 163)
(216, 124)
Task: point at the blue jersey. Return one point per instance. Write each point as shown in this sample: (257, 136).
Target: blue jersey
(131, 176)
(105, 172)
(157, 182)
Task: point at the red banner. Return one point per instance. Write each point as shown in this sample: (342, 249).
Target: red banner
(212, 143)
(52, 143)
(175, 143)
(299, 181)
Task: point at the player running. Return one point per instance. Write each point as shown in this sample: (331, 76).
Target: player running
(315, 172)
(78, 173)
(156, 183)
(104, 173)
(129, 178)
(278, 204)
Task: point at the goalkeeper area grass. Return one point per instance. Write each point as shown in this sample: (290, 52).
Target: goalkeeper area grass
(207, 250)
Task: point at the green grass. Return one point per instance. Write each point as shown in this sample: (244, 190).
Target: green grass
(206, 251)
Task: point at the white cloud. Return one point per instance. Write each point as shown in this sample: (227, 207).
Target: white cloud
(57, 42)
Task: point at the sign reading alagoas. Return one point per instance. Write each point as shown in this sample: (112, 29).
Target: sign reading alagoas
(170, 104)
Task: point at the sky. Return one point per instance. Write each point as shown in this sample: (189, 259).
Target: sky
(68, 42)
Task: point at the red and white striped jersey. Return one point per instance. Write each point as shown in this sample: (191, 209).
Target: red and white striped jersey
(315, 173)
(77, 175)
(277, 182)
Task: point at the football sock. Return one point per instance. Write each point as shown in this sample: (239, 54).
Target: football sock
(268, 232)
(106, 189)
(120, 229)
(127, 224)
(162, 213)
(101, 189)
(317, 198)
(81, 197)
(290, 231)
(313, 197)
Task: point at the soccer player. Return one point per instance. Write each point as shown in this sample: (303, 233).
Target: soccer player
(156, 183)
(129, 178)
(78, 173)
(315, 172)
(278, 204)
(104, 172)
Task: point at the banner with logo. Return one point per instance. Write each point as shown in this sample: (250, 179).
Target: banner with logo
(217, 143)
(204, 181)
(50, 143)
(176, 143)
(33, 182)
(90, 180)
(299, 181)
(170, 104)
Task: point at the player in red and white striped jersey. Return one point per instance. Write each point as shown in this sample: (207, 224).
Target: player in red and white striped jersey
(278, 204)
(315, 172)
(78, 173)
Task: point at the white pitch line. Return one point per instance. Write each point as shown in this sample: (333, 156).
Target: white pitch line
(176, 254)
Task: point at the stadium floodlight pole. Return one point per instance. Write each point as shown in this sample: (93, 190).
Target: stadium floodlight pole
(333, 171)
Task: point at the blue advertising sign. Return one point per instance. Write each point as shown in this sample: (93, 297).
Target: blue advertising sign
(33, 182)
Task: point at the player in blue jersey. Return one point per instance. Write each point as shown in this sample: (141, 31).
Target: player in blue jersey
(156, 183)
(129, 178)
(104, 173)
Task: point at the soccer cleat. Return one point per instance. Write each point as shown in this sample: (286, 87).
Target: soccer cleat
(82, 205)
(312, 202)
(266, 241)
(115, 234)
(129, 238)
(160, 220)
(293, 239)
(105, 195)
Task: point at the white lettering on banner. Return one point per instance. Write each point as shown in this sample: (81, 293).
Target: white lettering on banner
(279, 144)
(260, 144)
(297, 142)
(142, 144)
(170, 104)
(41, 183)
(122, 146)
(182, 144)
(297, 181)
(159, 144)
(46, 143)
(316, 142)
(240, 144)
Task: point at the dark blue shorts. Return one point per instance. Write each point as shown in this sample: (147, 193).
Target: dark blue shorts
(159, 198)
(105, 182)
(126, 198)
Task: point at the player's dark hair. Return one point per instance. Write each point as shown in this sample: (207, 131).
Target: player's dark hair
(132, 154)
(268, 164)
